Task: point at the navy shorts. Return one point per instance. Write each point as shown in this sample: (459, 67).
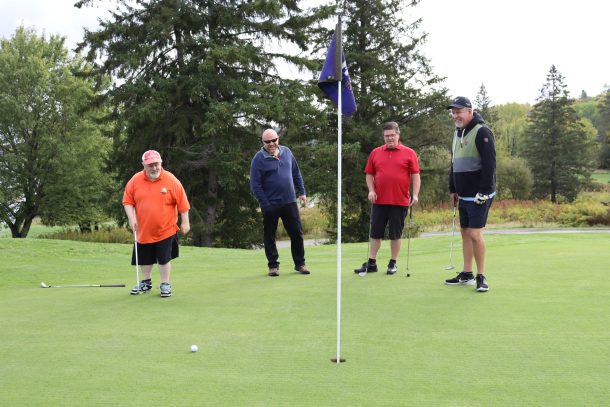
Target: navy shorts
(473, 215)
(391, 215)
(161, 252)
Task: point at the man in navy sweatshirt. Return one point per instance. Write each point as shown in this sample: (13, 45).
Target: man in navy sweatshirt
(276, 181)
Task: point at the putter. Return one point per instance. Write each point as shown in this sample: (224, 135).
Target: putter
(135, 245)
(451, 266)
(410, 209)
(368, 251)
(43, 285)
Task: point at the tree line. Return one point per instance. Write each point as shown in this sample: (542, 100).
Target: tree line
(199, 81)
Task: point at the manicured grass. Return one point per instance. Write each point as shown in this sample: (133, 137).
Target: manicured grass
(36, 230)
(601, 176)
(538, 337)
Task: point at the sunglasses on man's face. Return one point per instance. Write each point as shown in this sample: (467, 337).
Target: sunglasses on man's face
(270, 141)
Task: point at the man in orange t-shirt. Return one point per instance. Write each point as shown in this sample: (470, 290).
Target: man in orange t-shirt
(152, 199)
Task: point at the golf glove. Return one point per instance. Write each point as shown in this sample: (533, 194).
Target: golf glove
(480, 199)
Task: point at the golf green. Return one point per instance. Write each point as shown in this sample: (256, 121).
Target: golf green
(539, 337)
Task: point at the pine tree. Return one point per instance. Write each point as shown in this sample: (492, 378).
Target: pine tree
(392, 81)
(197, 81)
(483, 105)
(557, 147)
(604, 129)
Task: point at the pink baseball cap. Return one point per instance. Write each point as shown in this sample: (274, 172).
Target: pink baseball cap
(151, 156)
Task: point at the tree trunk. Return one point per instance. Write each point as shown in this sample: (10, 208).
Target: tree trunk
(22, 231)
(210, 221)
(553, 183)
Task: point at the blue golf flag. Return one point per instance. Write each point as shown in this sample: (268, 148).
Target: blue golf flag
(335, 70)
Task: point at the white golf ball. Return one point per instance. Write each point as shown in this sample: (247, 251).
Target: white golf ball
(194, 348)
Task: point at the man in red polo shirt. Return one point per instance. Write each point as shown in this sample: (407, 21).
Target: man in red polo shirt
(152, 199)
(391, 171)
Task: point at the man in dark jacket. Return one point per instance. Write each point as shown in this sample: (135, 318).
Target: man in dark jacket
(472, 186)
(275, 181)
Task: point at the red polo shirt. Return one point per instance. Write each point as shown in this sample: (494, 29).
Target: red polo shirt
(392, 170)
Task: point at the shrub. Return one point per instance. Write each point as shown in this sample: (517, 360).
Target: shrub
(587, 210)
(314, 224)
(514, 178)
(585, 214)
(106, 234)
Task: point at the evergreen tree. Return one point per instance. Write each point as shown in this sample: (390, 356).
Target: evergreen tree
(483, 105)
(583, 95)
(53, 149)
(509, 127)
(558, 148)
(392, 81)
(604, 129)
(197, 80)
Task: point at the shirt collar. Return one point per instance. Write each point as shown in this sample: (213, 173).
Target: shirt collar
(153, 180)
(268, 155)
(400, 146)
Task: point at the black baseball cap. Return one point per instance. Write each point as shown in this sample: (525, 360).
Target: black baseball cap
(459, 103)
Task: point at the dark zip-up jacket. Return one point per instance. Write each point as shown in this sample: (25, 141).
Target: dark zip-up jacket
(482, 180)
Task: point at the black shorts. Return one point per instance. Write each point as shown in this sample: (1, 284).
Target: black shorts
(473, 215)
(391, 215)
(161, 252)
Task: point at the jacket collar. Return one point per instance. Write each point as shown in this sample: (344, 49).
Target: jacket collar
(266, 153)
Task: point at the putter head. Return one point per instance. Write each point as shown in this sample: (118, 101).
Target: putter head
(450, 267)
(43, 285)
(362, 274)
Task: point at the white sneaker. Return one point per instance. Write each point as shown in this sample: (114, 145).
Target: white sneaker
(142, 288)
(166, 290)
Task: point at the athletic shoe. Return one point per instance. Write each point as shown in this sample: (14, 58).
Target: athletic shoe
(144, 287)
(273, 272)
(465, 277)
(367, 268)
(482, 283)
(392, 268)
(166, 290)
(303, 269)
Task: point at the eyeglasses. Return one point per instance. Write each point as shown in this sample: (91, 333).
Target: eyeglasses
(270, 141)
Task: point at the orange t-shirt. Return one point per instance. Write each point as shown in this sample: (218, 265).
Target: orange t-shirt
(157, 204)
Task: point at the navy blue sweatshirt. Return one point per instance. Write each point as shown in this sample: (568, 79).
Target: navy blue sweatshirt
(275, 180)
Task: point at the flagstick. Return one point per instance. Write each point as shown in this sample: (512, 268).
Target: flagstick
(339, 170)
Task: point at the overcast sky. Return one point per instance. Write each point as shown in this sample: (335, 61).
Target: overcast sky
(509, 46)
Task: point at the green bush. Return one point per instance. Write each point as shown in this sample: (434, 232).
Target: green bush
(587, 210)
(314, 224)
(524, 213)
(432, 219)
(514, 178)
(107, 234)
(585, 214)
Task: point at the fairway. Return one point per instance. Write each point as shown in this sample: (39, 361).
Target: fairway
(539, 337)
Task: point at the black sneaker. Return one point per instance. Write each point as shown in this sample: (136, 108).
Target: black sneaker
(367, 268)
(465, 277)
(482, 283)
(392, 268)
(144, 287)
